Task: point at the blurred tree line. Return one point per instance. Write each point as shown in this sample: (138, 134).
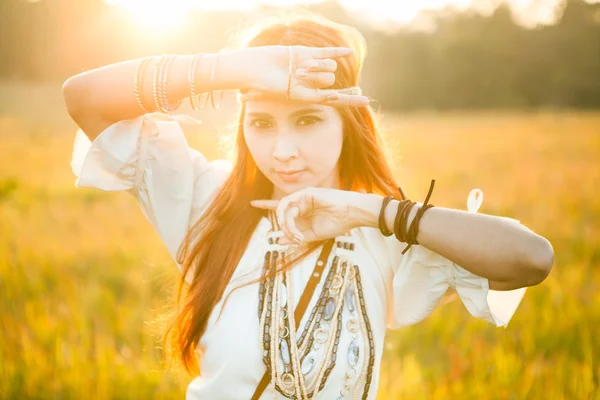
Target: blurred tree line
(469, 61)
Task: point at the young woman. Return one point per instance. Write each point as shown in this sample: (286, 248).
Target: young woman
(308, 201)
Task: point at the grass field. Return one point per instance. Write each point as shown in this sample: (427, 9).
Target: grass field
(83, 275)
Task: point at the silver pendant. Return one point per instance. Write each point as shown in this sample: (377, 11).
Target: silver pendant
(309, 362)
(353, 353)
(285, 351)
(349, 299)
(329, 309)
(283, 296)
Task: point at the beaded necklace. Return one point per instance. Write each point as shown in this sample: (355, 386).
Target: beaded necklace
(296, 370)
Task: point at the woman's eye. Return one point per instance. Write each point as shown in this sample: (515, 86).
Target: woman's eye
(261, 124)
(308, 120)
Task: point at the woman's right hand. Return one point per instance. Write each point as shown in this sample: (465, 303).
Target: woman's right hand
(267, 74)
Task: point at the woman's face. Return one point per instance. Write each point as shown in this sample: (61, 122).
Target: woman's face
(290, 136)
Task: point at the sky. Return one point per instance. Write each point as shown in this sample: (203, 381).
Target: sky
(404, 12)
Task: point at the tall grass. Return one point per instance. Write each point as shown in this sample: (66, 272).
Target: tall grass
(82, 273)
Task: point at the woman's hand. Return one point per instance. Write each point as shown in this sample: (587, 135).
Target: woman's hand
(313, 214)
(313, 69)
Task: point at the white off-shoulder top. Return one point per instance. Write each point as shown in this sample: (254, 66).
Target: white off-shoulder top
(149, 158)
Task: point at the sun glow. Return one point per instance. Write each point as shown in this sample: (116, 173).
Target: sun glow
(155, 14)
(168, 14)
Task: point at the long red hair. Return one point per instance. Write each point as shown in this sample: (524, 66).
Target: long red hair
(215, 244)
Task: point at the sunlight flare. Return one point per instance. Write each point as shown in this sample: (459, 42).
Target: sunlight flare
(155, 14)
(167, 14)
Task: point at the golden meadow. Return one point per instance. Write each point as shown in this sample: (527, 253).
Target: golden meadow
(83, 276)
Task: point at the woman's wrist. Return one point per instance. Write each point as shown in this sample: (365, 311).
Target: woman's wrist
(230, 68)
(228, 74)
(364, 211)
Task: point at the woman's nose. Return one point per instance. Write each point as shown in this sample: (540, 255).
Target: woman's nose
(285, 148)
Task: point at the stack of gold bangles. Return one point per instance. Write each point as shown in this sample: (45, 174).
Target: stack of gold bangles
(160, 77)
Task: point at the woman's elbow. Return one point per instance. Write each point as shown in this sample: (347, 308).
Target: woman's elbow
(540, 259)
(74, 96)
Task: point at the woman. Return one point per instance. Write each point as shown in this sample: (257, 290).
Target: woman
(308, 202)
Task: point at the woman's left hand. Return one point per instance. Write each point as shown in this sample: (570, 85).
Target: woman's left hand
(312, 214)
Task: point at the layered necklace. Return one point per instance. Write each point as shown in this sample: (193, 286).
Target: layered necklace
(299, 365)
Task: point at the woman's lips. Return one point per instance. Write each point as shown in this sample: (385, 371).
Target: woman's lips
(290, 177)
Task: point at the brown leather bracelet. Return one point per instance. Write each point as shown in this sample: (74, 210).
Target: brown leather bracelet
(382, 228)
(413, 231)
(400, 220)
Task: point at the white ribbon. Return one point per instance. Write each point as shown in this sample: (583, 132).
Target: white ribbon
(474, 200)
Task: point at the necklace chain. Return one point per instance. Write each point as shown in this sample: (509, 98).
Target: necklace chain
(289, 360)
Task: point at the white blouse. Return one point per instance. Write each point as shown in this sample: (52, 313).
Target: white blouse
(149, 158)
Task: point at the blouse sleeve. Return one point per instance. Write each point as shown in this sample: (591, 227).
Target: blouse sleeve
(149, 158)
(421, 277)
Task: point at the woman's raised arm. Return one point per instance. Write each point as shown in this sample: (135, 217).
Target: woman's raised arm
(100, 97)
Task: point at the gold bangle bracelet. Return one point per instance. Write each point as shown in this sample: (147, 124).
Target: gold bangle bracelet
(162, 89)
(212, 80)
(196, 105)
(155, 83)
(164, 79)
(137, 78)
(162, 86)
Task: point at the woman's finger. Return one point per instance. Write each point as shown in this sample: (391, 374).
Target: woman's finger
(265, 204)
(280, 215)
(332, 52)
(307, 235)
(290, 222)
(347, 100)
(306, 94)
(330, 97)
(316, 79)
(284, 240)
(325, 65)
